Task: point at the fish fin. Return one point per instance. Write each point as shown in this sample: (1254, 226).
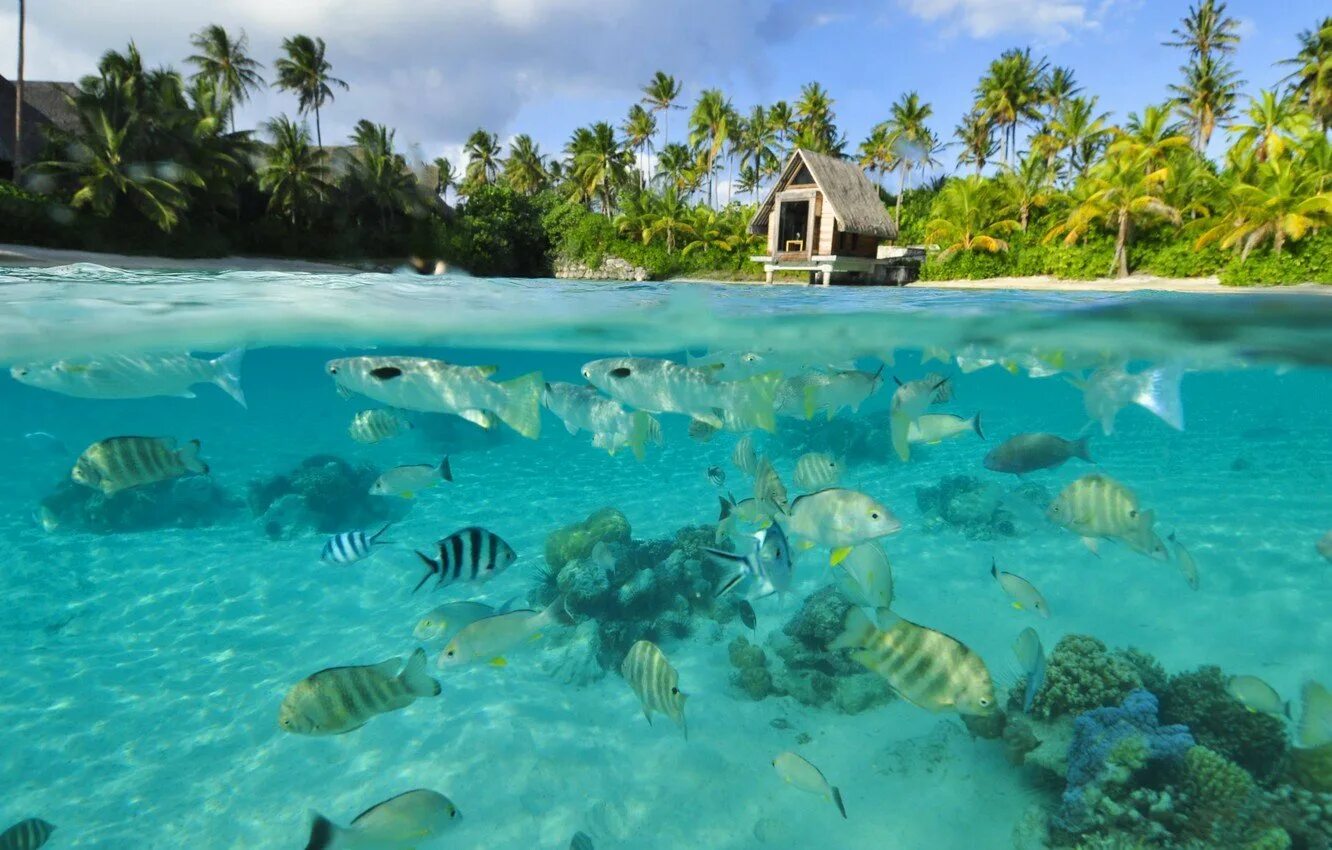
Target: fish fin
(639, 432)
(480, 418)
(445, 470)
(186, 394)
(994, 569)
(976, 425)
(189, 455)
(415, 679)
(805, 545)
(837, 798)
(374, 538)
(1092, 545)
(570, 427)
(1082, 450)
(856, 630)
(1017, 605)
(323, 832)
(898, 426)
(487, 371)
(499, 661)
(522, 404)
(838, 555)
(1312, 730)
(726, 507)
(432, 567)
(1159, 393)
(647, 714)
(342, 391)
(884, 616)
(407, 494)
(226, 374)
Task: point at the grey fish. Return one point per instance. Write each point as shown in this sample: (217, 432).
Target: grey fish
(26, 835)
(1029, 452)
(747, 615)
(1031, 656)
(412, 819)
(767, 564)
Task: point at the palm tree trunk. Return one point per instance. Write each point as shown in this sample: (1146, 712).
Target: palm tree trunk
(901, 187)
(319, 133)
(1121, 245)
(18, 97)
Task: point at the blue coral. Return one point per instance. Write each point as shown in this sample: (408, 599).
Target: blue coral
(1110, 741)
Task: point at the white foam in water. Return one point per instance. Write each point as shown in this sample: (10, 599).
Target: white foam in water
(143, 671)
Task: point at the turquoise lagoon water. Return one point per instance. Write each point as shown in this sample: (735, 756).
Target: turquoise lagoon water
(146, 654)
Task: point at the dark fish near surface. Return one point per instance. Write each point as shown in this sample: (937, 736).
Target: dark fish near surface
(348, 547)
(1030, 452)
(119, 463)
(26, 835)
(472, 554)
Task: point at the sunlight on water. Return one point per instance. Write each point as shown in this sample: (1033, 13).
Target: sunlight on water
(154, 631)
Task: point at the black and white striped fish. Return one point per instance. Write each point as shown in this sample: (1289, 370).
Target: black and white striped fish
(348, 547)
(472, 554)
(716, 475)
(26, 835)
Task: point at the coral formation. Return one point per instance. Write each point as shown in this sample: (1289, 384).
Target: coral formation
(1306, 816)
(180, 503)
(323, 493)
(575, 542)
(1082, 674)
(981, 510)
(1254, 741)
(1311, 768)
(1213, 793)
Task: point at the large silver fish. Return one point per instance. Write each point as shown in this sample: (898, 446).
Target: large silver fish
(120, 376)
(662, 386)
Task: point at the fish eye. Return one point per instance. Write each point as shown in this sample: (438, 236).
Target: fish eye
(453, 813)
(332, 370)
(1133, 514)
(675, 691)
(449, 653)
(984, 702)
(874, 515)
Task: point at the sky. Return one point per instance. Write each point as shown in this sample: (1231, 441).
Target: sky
(437, 70)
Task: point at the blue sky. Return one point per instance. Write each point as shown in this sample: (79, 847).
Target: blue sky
(437, 70)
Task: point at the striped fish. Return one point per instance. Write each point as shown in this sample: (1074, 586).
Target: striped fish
(1096, 506)
(928, 668)
(472, 554)
(655, 681)
(342, 699)
(743, 457)
(119, 463)
(817, 471)
(769, 491)
(349, 547)
(374, 426)
(716, 476)
(701, 432)
(26, 835)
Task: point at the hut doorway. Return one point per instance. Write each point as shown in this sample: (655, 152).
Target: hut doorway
(792, 229)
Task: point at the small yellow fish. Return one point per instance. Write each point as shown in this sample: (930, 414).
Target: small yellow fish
(798, 772)
(1023, 593)
(817, 471)
(488, 638)
(1257, 696)
(655, 681)
(407, 481)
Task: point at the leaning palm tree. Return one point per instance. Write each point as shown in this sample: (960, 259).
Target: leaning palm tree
(294, 173)
(1207, 97)
(1311, 81)
(483, 159)
(660, 95)
(1010, 94)
(639, 127)
(305, 71)
(445, 177)
(525, 167)
(223, 61)
(1272, 122)
(975, 140)
(966, 217)
(1206, 30)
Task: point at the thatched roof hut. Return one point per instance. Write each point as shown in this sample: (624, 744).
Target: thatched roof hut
(45, 104)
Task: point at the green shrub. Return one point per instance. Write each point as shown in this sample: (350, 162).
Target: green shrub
(1307, 261)
(497, 232)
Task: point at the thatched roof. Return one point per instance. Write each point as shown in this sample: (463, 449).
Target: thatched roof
(852, 197)
(44, 104)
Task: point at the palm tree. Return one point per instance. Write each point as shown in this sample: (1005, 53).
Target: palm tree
(1025, 188)
(909, 138)
(445, 177)
(1124, 190)
(377, 175)
(525, 168)
(660, 95)
(965, 218)
(18, 93)
(1206, 30)
(758, 148)
(1153, 134)
(1272, 122)
(639, 128)
(668, 216)
(814, 127)
(483, 159)
(1311, 81)
(1284, 202)
(600, 164)
(711, 230)
(782, 120)
(294, 173)
(225, 64)
(710, 126)
(1207, 96)
(876, 152)
(975, 138)
(673, 166)
(305, 71)
(1077, 129)
(1010, 94)
(1059, 85)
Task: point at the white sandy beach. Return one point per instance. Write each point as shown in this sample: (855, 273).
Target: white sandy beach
(29, 255)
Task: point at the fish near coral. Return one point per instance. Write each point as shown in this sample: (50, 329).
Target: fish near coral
(119, 463)
(655, 681)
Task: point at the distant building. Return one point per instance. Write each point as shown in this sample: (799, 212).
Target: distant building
(825, 217)
(45, 104)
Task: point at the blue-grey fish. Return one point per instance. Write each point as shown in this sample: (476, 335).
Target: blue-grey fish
(767, 564)
(581, 841)
(747, 615)
(26, 835)
(1108, 390)
(471, 554)
(1031, 656)
(407, 481)
(348, 547)
(407, 821)
(799, 772)
(121, 376)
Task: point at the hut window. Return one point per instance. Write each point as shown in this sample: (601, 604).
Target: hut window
(802, 177)
(794, 218)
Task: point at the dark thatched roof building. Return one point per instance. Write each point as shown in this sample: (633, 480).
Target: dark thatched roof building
(45, 104)
(825, 217)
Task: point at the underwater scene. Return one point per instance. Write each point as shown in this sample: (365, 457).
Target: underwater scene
(361, 561)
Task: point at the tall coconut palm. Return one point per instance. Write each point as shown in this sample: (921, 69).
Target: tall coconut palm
(815, 129)
(1010, 93)
(1283, 202)
(18, 91)
(668, 216)
(294, 173)
(445, 177)
(876, 154)
(965, 217)
(1059, 85)
(377, 176)
(711, 124)
(1270, 124)
(600, 164)
(639, 128)
(1079, 132)
(1207, 97)
(525, 167)
(975, 140)
(660, 95)
(305, 71)
(1206, 30)
(483, 159)
(910, 139)
(673, 167)
(782, 121)
(758, 147)
(223, 61)
(1311, 81)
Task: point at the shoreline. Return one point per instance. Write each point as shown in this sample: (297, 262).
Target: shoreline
(30, 256)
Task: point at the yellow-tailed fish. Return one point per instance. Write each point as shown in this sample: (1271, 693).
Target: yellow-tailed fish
(405, 822)
(1315, 726)
(448, 619)
(743, 457)
(375, 426)
(1031, 656)
(769, 491)
(655, 682)
(119, 463)
(1257, 696)
(1184, 561)
(927, 667)
(839, 519)
(489, 638)
(838, 389)
(799, 773)
(27, 834)
(1030, 452)
(931, 428)
(612, 427)
(342, 699)
(817, 471)
(1024, 594)
(909, 402)
(661, 386)
(119, 376)
(433, 386)
(407, 481)
(866, 577)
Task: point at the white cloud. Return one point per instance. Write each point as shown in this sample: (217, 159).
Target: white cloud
(1049, 20)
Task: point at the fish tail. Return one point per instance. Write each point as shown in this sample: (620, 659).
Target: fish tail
(374, 538)
(811, 401)
(323, 833)
(226, 374)
(1082, 449)
(432, 568)
(900, 426)
(856, 630)
(415, 678)
(976, 425)
(1159, 393)
(837, 798)
(727, 505)
(189, 455)
(639, 433)
(522, 404)
(994, 568)
(445, 470)
(758, 399)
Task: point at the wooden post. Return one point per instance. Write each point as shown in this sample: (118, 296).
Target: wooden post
(18, 98)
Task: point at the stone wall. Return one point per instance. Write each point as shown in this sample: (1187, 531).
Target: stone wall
(611, 268)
